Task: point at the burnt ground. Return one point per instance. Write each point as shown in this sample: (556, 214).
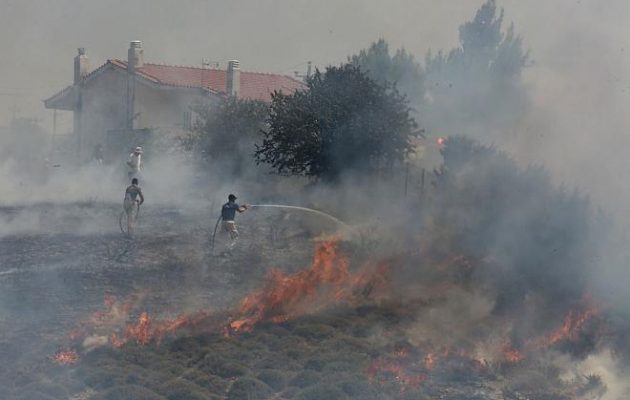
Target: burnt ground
(67, 258)
(59, 262)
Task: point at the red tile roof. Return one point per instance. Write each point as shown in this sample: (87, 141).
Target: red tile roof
(253, 85)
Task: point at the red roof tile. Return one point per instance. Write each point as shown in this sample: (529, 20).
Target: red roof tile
(254, 85)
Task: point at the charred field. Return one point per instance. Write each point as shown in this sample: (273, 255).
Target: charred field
(294, 313)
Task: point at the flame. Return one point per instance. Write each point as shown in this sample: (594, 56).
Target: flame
(405, 379)
(573, 323)
(113, 316)
(429, 360)
(142, 331)
(146, 330)
(284, 296)
(66, 357)
(326, 280)
(510, 354)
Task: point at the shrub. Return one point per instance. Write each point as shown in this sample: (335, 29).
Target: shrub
(322, 392)
(305, 378)
(221, 367)
(357, 387)
(274, 378)
(211, 383)
(181, 389)
(315, 331)
(52, 389)
(102, 378)
(129, 392)
(32, 395)
(249, 389)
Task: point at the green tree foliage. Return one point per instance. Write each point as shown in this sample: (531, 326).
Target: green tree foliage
(476, 88)
(342, 121)
(227, 132)
(400, 69)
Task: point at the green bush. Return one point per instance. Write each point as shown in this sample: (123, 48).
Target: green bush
(52, 389)
(305, 378)
(315, 331)
(102, 378)
(322, 392)
(102, 356)
(211, 383)
(185, 345)
(181, 389)
(274, 378)
(222, 367)
(130, 392)
(358, 388)
(249, 389)
(338, 366)
(276, 361)
(32, 395)
(317, 363)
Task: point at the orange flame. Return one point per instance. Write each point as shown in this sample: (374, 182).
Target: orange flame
(113, 316)
(326, 280)
(510, 354)
(571, 326)
(147, 330)
(429, 360)
(405, 379)
(67, 357)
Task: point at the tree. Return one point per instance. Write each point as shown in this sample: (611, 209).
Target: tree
(342, 121)
(400, 69)
(477, 89)
(227, 132)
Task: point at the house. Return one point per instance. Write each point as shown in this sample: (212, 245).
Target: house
(126, 102)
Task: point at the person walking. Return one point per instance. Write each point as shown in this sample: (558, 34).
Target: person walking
(131, 204)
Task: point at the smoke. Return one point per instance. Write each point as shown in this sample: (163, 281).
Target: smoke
(536, 246)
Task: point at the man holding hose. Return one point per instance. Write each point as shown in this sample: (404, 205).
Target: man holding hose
(228, 213)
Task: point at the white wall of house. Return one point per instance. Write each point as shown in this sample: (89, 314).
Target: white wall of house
(156, 107)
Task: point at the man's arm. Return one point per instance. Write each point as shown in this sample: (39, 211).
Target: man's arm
(141, 197)
(242, 208)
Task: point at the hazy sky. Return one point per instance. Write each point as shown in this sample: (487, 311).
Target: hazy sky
(38, 38)
(579, 81)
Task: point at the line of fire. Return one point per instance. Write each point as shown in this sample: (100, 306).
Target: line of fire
(325, 200)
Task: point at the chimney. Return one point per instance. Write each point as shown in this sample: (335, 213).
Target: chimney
(135, 56)
(233, 78)
(81, 65)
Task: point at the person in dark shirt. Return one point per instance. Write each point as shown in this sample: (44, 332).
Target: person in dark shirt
(133, 197)
(228, 213)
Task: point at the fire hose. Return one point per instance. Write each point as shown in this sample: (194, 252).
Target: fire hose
(305, 209)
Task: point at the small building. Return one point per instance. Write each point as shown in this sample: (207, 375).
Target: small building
(124, 102)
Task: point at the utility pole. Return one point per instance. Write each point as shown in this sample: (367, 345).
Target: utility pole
(54, 133)
(309, 67)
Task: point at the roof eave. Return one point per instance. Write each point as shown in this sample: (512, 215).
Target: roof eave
(62, 100)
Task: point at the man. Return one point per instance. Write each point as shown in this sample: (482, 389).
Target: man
(133, 196)
(135, 163)
(228, 213)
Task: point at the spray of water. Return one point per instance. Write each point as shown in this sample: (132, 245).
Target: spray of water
(311, 210)
(304, 209)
